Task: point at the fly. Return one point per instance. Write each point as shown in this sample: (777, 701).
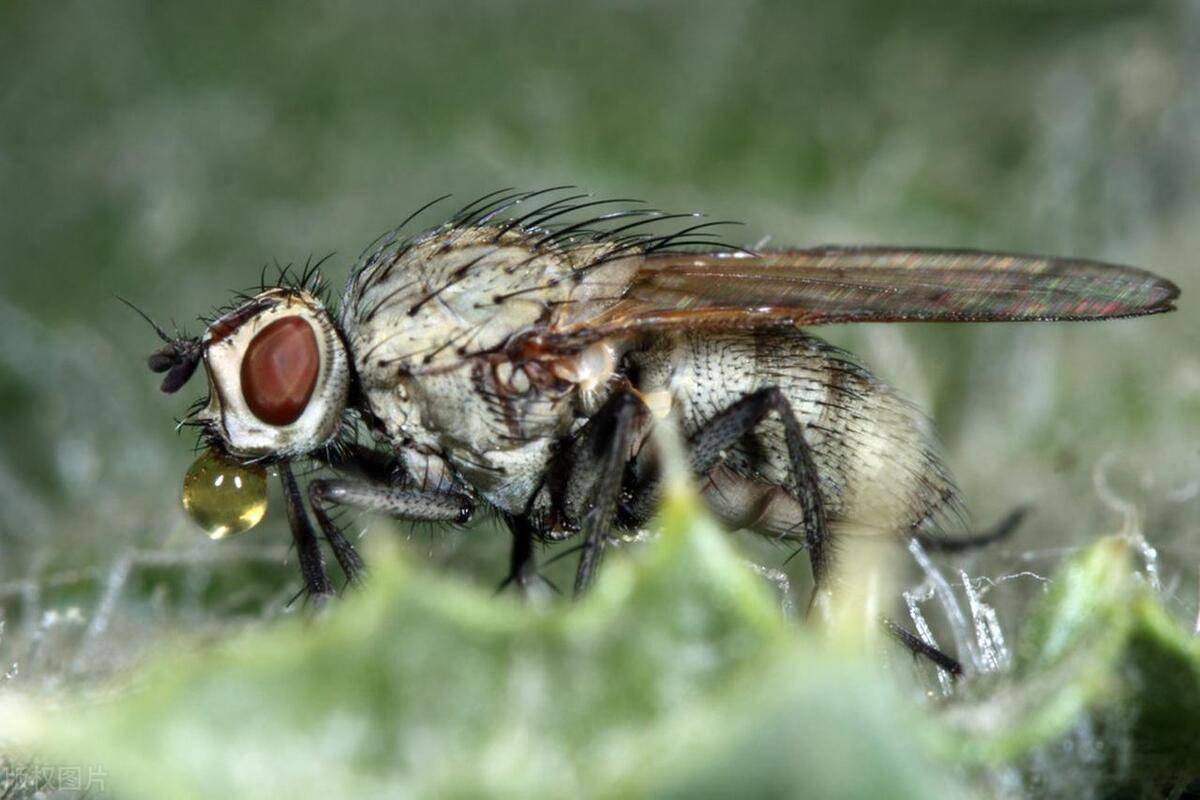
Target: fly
(517, 357)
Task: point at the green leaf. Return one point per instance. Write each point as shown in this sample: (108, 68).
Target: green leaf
(677, 676)
(1103, 651)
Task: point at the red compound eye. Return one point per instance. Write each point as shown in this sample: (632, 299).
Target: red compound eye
(279, 371)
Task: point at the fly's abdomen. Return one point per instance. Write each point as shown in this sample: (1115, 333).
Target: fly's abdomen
(875, 456)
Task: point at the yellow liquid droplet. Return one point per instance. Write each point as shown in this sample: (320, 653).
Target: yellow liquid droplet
(224, 497)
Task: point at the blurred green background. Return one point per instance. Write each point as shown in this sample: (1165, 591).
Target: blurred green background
(167, 151)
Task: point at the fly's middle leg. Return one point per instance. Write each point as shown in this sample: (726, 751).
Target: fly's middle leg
(522, 562)
(394, 501)
(595, 464)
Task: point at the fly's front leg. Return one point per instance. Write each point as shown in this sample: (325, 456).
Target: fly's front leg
(597, 461)
(398, 502)
(308, 550)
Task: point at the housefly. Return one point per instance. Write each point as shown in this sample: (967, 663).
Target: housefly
(517, 357)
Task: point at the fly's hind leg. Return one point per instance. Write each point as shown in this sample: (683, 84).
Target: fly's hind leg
(958, 544)
(910, 641)
(706, 450)
(708, 446)
(382, 498)
(918, 647)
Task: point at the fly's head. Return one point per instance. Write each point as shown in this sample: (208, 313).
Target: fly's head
(278, 375)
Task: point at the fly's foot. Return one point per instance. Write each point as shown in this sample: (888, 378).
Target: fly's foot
(527, 582)
(314, 601)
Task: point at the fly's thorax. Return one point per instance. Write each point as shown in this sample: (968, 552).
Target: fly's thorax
(431, 328)
(457, 292)
(494, 424)
(445, 297)
(278, 375)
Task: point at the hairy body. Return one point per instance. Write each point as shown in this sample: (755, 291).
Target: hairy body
(428, 328)
(520, 361)
(878, 467)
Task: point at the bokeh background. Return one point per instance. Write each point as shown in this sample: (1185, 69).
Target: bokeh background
(166, 152)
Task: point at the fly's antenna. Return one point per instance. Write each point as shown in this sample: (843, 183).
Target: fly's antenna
(178, 358)
(157, 328)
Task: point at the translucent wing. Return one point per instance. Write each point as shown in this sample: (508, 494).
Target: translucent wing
(869, 284)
